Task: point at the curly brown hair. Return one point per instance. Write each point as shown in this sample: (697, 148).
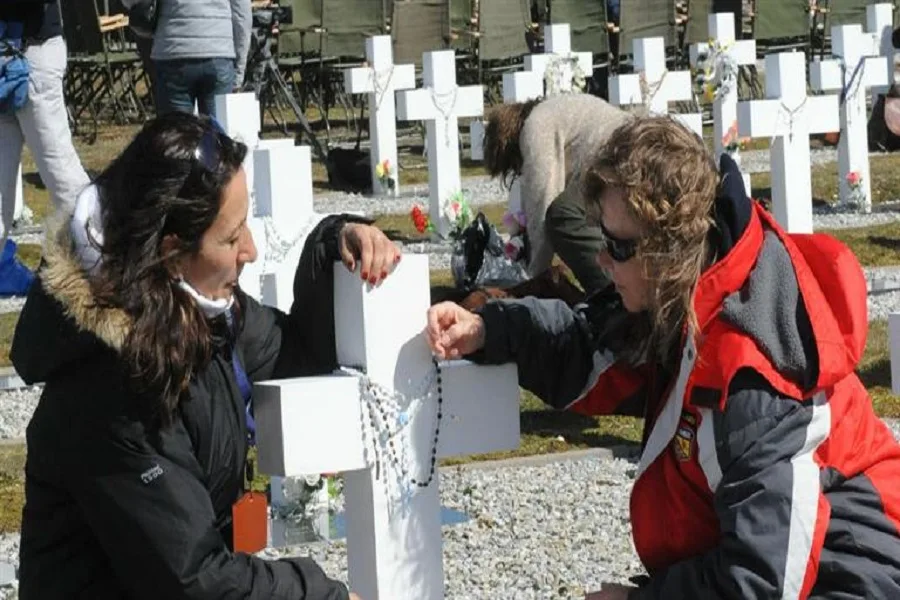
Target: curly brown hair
(502, 154)
(670, 180)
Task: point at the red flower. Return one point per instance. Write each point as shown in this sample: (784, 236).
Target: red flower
(419, 219)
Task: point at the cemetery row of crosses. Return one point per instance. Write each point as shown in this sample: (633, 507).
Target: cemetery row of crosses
(390, 382)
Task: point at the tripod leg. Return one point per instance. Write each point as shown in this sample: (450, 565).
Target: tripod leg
(280, 86)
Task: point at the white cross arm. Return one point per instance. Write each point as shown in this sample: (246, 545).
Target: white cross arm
(522, 86)
(538, 63)
(625, 89)
(360, 80)
(763, 118)
(677, 86)
(827, 75)
(419, 105)
(743, 51)
(313, 424)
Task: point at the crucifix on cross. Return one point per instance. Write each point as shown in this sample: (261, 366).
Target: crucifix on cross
(653, 85)
(440, 102)
(380, 79)
(384, 420)
(856, 68)
(789, 116)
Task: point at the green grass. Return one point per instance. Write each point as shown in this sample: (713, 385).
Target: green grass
(884, 173)
(876, 246)
(12, 486)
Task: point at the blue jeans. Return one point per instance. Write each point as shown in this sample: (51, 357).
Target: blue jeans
(181, 82)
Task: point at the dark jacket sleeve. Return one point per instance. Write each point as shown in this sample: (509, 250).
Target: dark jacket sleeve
(275, 345)
(149, 510)
(561, 353)
(768, 499)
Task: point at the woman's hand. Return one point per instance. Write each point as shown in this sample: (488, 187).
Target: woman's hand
(370, 248)
(611, 591)
(453, 331)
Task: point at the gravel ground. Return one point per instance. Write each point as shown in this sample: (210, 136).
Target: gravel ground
(550, 531)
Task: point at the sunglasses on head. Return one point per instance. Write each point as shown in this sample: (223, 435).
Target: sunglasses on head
(618, 249)
(209, 148)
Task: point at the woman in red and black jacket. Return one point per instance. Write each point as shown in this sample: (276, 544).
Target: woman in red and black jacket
(765, 472)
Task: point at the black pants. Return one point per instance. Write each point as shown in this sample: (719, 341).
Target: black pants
(575, 241)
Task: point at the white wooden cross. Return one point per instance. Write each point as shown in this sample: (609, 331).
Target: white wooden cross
(557, 55)
(856, 68)
(653, 85)
(789, 116)
(380, 79)
(738, 52)
(880, 25)
(323, 424)
(440, 102)
(279, 179)
(894, 340)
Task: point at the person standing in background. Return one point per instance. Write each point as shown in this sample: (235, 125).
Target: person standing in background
(199, 51)
(41, 123)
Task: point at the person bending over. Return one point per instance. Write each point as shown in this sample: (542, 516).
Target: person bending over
(546, 143)
(764, 472)
(148, 350)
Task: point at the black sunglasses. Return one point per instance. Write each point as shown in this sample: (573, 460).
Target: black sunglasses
(618, 249)
(209, 149)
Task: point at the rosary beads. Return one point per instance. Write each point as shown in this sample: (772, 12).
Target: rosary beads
(386, 419)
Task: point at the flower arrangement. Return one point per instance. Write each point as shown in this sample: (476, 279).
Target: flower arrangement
(456, 210)
(855, 184)
(385, 176)
(717, 70)
(558, 70)
(731, 142)
(515, 248)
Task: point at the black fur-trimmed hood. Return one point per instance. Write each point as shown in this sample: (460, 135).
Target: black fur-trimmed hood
(61, 322)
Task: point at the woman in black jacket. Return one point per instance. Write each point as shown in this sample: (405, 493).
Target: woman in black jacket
(145, 342)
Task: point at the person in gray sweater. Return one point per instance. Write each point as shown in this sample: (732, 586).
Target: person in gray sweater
(545, 143)
(200, 51)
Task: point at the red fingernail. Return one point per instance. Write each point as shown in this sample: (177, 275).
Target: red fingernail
(397, 258)
(373, 280)
(383, 274)
(365, 275)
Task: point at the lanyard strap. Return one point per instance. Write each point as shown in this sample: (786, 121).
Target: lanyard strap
(246, 393)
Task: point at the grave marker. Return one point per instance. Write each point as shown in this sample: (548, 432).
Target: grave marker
(734, 53)
(894, 340)
(653, 85)
(880, 25)
(555, 63)
(393, 539)
(440, 102)
(789, 116)
(380, 80)
(855, 69)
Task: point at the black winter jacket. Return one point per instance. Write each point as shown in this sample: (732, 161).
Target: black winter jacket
(117, 510)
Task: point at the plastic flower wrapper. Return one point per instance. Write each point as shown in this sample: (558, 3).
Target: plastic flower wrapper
(458, 213)
(515, 222)
(479, 258)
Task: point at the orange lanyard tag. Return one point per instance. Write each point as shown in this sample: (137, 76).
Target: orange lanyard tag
(250, 521)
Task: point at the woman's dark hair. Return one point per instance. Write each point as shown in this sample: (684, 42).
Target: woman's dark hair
(168, 181)
(502, 153)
